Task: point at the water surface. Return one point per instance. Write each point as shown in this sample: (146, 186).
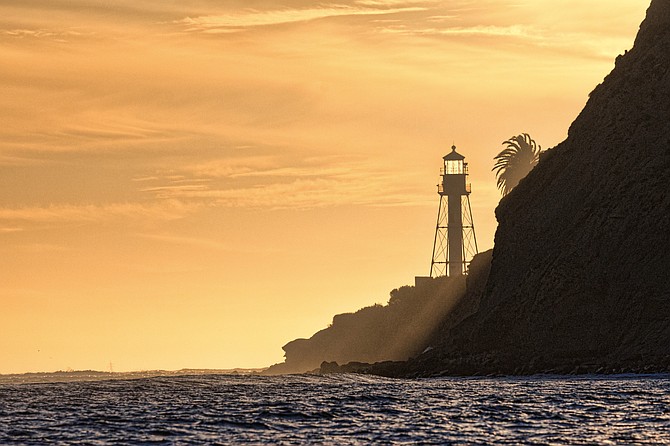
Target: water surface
(338, 409)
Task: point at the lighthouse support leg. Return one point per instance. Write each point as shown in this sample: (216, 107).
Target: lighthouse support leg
(438, 265)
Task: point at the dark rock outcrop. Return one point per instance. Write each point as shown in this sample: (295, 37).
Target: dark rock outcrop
(396, 332)
(580, 276)
(581, 265)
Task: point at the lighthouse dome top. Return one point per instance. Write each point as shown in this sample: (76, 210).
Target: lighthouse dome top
(454, 155)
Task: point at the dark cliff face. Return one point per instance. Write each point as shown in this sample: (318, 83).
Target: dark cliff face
(397, 331)
(581, 265)
(579, 281)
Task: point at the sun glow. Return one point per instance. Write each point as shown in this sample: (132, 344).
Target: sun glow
(193, 185)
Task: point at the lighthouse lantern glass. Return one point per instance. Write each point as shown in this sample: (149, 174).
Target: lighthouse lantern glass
(454, 167)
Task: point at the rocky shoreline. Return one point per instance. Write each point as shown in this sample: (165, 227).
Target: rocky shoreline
(579, 279)
(497, 365)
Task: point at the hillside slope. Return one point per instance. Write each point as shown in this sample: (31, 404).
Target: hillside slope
(580, 276)
(400, 330)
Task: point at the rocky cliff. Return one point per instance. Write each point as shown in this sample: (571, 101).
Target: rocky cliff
(581, 263)
(580, 275)
(398, 331)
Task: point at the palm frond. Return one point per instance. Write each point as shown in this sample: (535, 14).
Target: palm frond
(514, 162)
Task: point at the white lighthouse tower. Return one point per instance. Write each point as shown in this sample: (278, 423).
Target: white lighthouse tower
(455, 243)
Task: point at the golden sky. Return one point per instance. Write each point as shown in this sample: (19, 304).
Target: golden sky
(193, 183)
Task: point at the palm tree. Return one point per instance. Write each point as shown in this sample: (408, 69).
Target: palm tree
(515, 161)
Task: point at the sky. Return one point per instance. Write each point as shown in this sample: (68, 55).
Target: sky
(194, 183)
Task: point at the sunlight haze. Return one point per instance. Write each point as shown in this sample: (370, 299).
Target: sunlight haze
(193, 184)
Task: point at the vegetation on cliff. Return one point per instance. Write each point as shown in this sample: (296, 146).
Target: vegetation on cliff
(578, 281)
(396, 331)
(579, 276)
(515, 161)
(400, 330)
(581, 254)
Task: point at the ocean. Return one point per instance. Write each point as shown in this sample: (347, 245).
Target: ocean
(337, 409)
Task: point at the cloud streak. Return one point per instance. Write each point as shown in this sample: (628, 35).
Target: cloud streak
(188, 115)
(63, 213)
(58, 35)
(285, 183)
(253, 18)
(479, 30)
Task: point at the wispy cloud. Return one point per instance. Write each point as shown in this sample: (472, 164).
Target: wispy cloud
(158, 119)
(175, 190)
(109, 132)
(10, 230)
(478, 30)
(255, 18)
(164, 210)
(60, 35)
(395, 3)
(300, 194)
(286, 183)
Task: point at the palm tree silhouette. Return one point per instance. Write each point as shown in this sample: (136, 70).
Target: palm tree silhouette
(515, 161)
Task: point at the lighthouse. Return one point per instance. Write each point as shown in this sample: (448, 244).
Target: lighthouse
(455, 243)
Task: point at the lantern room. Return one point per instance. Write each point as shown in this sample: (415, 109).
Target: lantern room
(454, 175)
(453, 163)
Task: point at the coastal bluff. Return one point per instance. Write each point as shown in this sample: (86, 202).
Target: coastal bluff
(580, 273)
(397, 331)
(579, 278)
